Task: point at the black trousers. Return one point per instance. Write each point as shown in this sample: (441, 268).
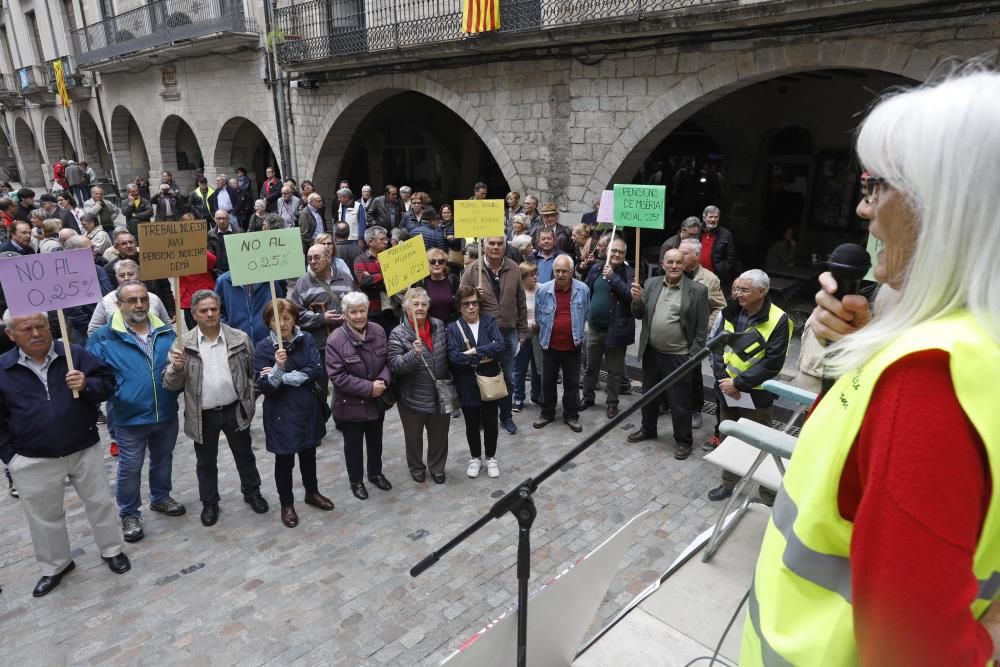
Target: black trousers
(554, 361)
(356, 436)
(283, 464)
(655, 367)
(207, 453)
(486, 415)
(697, 390)
(189, 319)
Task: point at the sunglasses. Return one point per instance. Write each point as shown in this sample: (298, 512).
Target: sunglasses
(870, 187)
(470, 304)
(437, 262)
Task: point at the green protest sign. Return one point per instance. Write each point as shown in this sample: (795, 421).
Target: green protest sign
(260, 257)
(640, 206)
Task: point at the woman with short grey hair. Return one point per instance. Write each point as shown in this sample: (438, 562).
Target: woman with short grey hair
(360, 379)
(418, 355)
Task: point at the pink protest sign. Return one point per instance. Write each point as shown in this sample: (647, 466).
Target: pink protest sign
(39, 283)
(606, 211)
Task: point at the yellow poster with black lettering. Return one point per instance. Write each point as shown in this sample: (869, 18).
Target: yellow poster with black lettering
(404, 265)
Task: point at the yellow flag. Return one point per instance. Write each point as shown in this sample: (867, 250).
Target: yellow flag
(480, 15)
(57, 69)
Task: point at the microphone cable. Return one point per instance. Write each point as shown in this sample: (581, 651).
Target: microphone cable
(714, 658)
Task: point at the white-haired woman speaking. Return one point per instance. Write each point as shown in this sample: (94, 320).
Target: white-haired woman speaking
(884, 545)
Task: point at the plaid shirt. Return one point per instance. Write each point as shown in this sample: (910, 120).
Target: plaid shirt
(372, 285)
(145, 342)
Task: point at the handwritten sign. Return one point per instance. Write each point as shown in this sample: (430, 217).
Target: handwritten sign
(606, 211)
(874, 248)
(404, 265)
(478, 218)
(172, 248)
(260, 257)
(39, 283)
(640, 205)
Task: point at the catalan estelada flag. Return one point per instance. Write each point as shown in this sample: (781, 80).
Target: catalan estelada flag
(480, 15)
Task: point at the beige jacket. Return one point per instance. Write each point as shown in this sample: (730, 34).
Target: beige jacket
(716, 298)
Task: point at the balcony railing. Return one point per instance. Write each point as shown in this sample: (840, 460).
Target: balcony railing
(321, 29)
(8, 89)
(32, 80)
(158, 23)
(72, 77)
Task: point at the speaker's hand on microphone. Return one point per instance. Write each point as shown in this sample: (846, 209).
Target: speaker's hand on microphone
(832, 319)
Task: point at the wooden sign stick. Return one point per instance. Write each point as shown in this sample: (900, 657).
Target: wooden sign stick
(607, 261)
(65, 340)
(175, 284)
(638, 256)
(482, 261)
(276, 314)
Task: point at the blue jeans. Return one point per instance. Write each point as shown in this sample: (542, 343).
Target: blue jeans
(109, 416)
(506, 360)
(132, 444)
(525, 358)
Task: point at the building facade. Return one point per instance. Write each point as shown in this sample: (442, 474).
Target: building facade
(750, 104)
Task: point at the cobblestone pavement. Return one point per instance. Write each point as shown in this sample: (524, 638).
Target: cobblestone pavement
(336, 590)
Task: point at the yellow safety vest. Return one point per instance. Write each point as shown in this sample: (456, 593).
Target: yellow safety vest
(736, 364)
(800, 610)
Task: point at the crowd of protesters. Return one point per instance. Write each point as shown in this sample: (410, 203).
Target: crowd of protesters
(496, 322)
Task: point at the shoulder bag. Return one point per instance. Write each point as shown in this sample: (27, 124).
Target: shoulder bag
(446, 392)
(491, 387)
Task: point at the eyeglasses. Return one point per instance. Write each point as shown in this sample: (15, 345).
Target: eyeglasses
(870, 186)
(437, 262)
(135, 300)
(743, 290)
(314, 258)
(615, 251)
(470, 304)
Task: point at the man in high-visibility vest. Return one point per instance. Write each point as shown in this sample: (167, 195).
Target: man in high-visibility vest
(756, 356)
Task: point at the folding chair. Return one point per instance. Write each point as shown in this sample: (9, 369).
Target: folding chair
(758, 454)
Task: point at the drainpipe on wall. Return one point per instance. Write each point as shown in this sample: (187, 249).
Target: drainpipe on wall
(277, 85)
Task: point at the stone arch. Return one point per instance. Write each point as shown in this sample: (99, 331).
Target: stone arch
(696, 91)
(31, 156)
(128, 147)
(354, 103)
(178, 140)
(94, 149)
(57, 141)
(241, 143)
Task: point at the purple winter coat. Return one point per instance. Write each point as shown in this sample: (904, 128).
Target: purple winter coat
(353, 365)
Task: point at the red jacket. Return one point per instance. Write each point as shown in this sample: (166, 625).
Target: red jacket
(59, 174)
(193, 283)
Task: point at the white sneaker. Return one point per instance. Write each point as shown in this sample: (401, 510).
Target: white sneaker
(475, 465)
(492, 469)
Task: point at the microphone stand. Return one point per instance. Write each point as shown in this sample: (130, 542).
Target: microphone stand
(520, 503)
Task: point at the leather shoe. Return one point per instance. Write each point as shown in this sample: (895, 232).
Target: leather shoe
(720, 493)
(612, 411)
(46, 584)
(542, 422)
(681, 452)
(574, 425)
(380, 481)
(640, 435)
(438, 478)
(587, 403)
(289, 517)
(256, 502)
(359, 490)
(320, 501)
(209, 514)
(119, 564)
(419, 477)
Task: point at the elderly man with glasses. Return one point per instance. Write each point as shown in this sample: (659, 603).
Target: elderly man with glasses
(319, 292)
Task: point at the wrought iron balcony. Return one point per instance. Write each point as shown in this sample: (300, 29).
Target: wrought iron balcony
(10, 92)
(77, 82)
(321, 29)
(33, 83)
(159, 23)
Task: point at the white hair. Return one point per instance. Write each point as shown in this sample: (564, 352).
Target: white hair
(352, 299)
(695, 245)
(521, 241)
(415, 293)
(757, 278)
(934, 145)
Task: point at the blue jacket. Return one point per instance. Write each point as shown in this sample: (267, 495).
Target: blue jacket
(246, 311)
(140, 399)
(545, 310)
(293, 415)
(50, 424)
(434, 237)
(621, 330)
(490, 344)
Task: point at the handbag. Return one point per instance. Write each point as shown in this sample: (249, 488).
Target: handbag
(319, 391)
(491, 387)
(446, 392)
(387, 400)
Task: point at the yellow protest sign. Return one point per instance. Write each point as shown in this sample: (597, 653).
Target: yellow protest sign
(479, 218)
(169, 249)
(404, 265)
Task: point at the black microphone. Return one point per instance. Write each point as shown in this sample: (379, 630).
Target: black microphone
(848, 263)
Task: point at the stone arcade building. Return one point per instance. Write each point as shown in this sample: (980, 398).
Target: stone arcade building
(750, 104)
